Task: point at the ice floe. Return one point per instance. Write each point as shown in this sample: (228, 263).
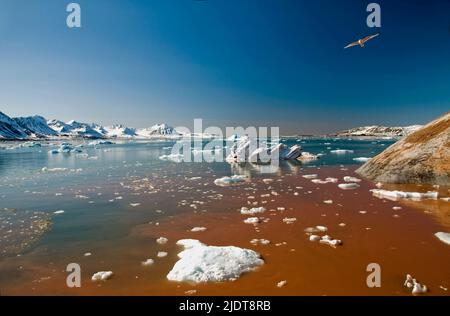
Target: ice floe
(396, 195)
(351, 179)
(327, 240)
(148, 262)
(198, 229)
(281, 283)
(102, 276)
(172, 157)
(444, 237)
(252, 211)
(162, 240)
(161, 254)
(257, 241)
(310, 176)
(361, 159)
(289, 220)
(341, 151)
(348, 186)
(416, 287)
(227, 181)
(201, 263)
(252, 220)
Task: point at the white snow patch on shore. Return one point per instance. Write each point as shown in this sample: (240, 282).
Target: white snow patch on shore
(201, 263)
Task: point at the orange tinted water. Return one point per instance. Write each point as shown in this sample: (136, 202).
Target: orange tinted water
(400, 241)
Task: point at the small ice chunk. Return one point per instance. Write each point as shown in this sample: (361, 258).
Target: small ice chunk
(198, 229)
(251, 220)
(310, 176)
(351, 179)
(444, 237)
(102, 276)
(162, 254)
(341, 151)
(227, 181)
(135, 204)
(328, 201)
(59, 212)
(314, 238)
(148, 262)
(348, 186)
(252, 211)
(281, 283)
(361, 159)
(162, 240)
(289, 220)
(417, 288)
(259, 241)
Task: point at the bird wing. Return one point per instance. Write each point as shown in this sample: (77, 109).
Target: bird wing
(351, 45)
(368, 38)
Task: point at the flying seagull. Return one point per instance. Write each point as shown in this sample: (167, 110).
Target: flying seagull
(361, 42)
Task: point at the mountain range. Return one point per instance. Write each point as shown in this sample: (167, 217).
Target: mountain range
(35, 127)
(380, 131)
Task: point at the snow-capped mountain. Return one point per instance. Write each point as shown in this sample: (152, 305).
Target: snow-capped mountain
(380, 131)
(38, 127)
(120, 131)
(157, 131)
(9, 129)
(77, 129)
(35, 126)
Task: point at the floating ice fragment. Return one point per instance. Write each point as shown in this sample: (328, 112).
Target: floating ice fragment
(310, 176)
(252, 211)
(289, 220)
(417, 288)
(148, 262)
(361, 159)
(102, 276)
(281, 283)
(227, 181)
(162, 240)
(342, 151)
(162, 254)
(59, 212)
(351, 179)
(259, 241)
(201, 263)
(251, 220)
(198, 229)
(348, 186)
(135, 204)
(444, 237)
(396, 195)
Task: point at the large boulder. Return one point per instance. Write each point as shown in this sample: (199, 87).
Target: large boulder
(421, 157)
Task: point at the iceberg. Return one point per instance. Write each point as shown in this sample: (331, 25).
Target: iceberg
(444, 237)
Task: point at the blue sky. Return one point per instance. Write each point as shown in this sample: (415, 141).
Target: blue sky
(230, 62)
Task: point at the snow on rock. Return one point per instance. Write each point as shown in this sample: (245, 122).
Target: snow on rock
(252, 211)
(200, 263)
(9, 129)
(444, 237)
(227, 181)
(416, 287)
(102, 276)
(396, 195)
(35, 126)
